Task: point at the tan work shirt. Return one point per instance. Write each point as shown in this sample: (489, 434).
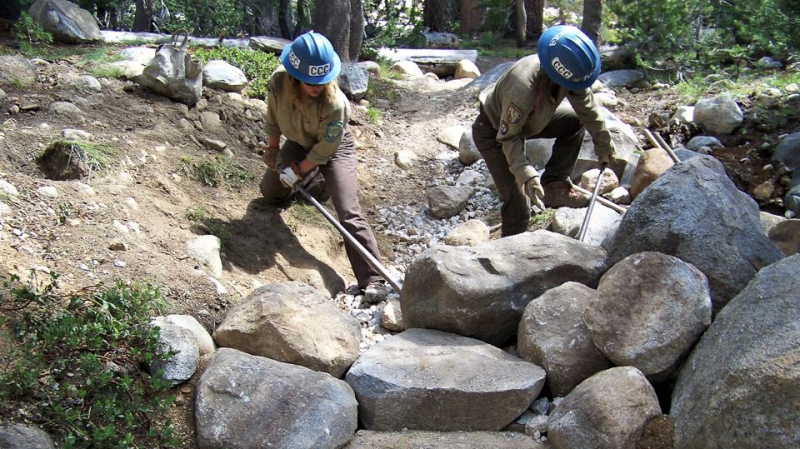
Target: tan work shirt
(523, 102)
(315, 125)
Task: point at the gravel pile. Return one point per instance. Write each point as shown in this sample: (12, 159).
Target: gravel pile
(413, 229)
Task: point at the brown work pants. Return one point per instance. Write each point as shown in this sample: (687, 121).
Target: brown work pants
(568, 131)
(337, 178)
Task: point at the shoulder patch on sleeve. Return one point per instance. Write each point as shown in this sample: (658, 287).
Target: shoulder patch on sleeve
(333, 131)
(514, 113)
(503, 127)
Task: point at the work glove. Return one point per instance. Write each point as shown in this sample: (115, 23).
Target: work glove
(534, 190)
(608, 160)
(608, 157)
(271, 157)
(291, 175)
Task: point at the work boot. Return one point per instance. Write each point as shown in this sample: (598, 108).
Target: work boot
(375, 292)
(563, 194)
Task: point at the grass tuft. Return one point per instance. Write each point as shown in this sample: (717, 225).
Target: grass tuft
(222, 170)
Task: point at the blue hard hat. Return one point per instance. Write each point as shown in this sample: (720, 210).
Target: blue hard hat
(311, 59)
(569, 57)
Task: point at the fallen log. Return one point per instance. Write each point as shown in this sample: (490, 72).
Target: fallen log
(130, 38)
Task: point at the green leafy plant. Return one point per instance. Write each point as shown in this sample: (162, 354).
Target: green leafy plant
(64, 212)
(374, 116)
(18, 82)
(378, 89)
(664, 33)
(781, 80)
(385, 66)
(217, 228)
(77, 366)
(209, 224)
(674, 38)
(28, 29)
(258, 66)
(198, 213)
(202, 18)
(542, 220)
(392, 24)
(221, 170)
(692, 89)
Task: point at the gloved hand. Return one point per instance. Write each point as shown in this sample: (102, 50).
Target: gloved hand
(534, 190)
(609, 160)
(291, 175)
(271, 157)
(608, 157)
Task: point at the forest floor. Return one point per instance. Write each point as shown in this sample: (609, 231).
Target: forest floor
(151, 200)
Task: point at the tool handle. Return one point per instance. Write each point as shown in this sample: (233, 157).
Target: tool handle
(596, 192)
(350, 239)
(601, 200)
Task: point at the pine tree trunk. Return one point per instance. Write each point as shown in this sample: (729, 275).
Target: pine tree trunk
(143, 19)
(522, 23)
(535, 10)
(592, 19)
(332, 19)
(356, 28)
(285, 19)
(438, 15)
(301, 18)
(470, 16)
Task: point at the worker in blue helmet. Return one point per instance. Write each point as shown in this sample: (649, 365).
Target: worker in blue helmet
(306, 106)
(526, 103)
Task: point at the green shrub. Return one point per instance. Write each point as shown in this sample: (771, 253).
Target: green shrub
(664, 33)
(203, 17)
(674, 38)
(692, 89)
(77, 368)
(29, 30)
(392, 24)
(258, 66)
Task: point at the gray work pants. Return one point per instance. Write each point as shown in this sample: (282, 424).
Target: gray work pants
(337, 177)
(568, 131)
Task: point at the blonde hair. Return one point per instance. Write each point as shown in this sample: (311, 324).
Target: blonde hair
(327, 96)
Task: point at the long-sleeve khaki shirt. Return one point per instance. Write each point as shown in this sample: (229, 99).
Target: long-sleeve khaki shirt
(523, 102)
(314, 124)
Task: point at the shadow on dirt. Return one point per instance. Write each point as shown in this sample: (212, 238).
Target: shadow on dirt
(261, 240)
